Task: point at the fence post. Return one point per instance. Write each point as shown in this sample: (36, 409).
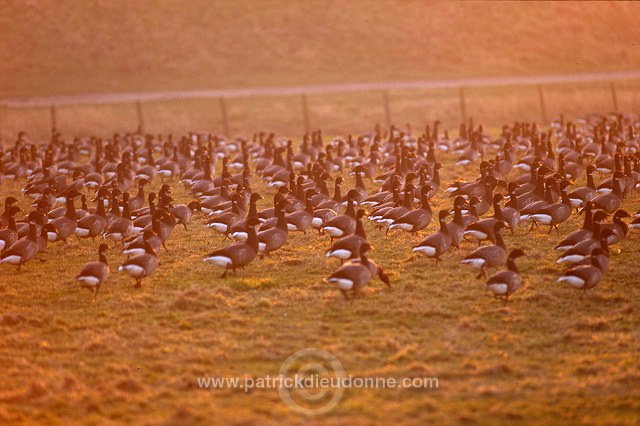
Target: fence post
(305, 114)
(614, 96)
(543, 110)
(225, 120)
(387, 108)
(463, 106)
(140, 117)
(52, 112)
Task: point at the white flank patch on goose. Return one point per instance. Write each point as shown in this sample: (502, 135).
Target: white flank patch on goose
(333, 231)
(218, 260)
(218, 227)
(340, 254)
(572, 258)
(88, 280)
(342, 283)
(133, 251)
(262, 247)
(115, 236)
(498, 288)
(426, 250)
(81, 232)
(404, 226)
(133, 270)
(477, 234)
(573, 280)
(603, 190)
(316, 222)
(165, 173)
(475, 262)
(52, 236)
(544, 219)
(12, 260)
(463, 163)
(239, 236)
(291, 227)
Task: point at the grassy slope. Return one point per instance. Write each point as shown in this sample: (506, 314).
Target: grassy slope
(55, 47)
(549, 356)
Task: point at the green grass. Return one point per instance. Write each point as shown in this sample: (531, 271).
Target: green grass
(64, 47)
(550, 355)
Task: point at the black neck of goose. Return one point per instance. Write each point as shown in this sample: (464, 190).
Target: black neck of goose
(616, 187)
(511, 265)
(100, 207)
(360, 228)
(364, 260)
(71, 210)
(148, 248)
(253, 209)
(115, 207)
(337, 195)
(436, 176)
(351, 211)
(604, 244)
(497, 211)
(457, 215)
(590, 182)
(252, 237)
(126, 210)
(103, 258)
(359, 182)
(85, 207)
(548, 195)
(443, 225)
(324, 189)
(588, 219)
(473, 211)
(32, 232)
(425, 201)
(500, 240)
(140, 193)
(565, 198)
(309, 206)
(282, 221)
(12, 223)
(408, 197)
(234, 206)
(596, 230)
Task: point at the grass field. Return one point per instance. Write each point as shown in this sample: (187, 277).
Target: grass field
(548, 356)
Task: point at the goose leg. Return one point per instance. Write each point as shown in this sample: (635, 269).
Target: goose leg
(224, 274)
(344, 293)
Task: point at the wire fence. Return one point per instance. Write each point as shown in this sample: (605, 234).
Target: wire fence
(336, 109)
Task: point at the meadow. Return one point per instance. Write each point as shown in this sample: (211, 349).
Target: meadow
(549, 355)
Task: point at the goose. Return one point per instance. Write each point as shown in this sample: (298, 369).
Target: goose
(488, 256)
(554, 214)
(162, 224)
(417, 219)
(23, 250)
(65, 225)
(239, 254)
(238, 230)
(136, 245)
(504, 283)
(122, 227)
(273, 238)
(584, 277)
(583, 233)
(437, 244)
(344, 224)
(354, 275)
(581, 250)
(611, 201)
(396, 212)
(618, 228)
(301, 220)
(222, 222)
(457, 226)
(349, 247)
(183, 213)
(335, 203)
(9, 235)
(93, 225)
(93, 274)
(142, 265)
(581, 195)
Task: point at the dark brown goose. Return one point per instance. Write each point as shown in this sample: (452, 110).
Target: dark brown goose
(488, 256)
(584, 277)
(554, 214)
(417, 219)
(122, 227)
(580, 196)
(93, 225)
(611, 201)
(94, 274)
(356, 274)
(301, 220)
(618, 228)
(437, 244)
(142, 265)
(504, 283)
(136, 245)
(581, 250)
(22, 250)
(222, 223)
(349, 247)
(238, 230)
(9, 235)
(183, 213)
(4, 217)
(66, 225)
(239, 254)
(583, 233)
(344, 224)
(273, 238)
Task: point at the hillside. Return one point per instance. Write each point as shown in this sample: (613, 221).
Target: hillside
(64, 47)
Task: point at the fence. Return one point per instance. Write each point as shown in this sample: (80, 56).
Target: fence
(337, 109)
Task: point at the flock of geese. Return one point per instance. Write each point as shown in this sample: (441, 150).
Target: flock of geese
(305, 186)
